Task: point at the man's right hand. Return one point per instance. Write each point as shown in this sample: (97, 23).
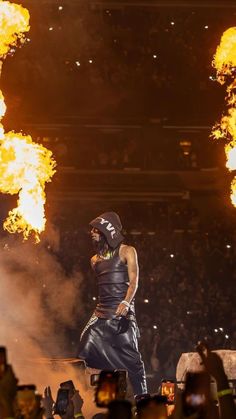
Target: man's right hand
(122, 310)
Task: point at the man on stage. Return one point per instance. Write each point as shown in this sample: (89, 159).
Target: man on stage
(109, 340)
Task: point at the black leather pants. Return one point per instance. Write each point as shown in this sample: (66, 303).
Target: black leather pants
(105, 345)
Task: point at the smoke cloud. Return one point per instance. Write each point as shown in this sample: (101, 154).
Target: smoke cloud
(39, 302)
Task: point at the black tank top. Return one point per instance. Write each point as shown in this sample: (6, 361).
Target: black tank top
(113, 282)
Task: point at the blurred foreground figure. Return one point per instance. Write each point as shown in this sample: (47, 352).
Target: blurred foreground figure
(109, 340)
(8, 390)
(196, 402)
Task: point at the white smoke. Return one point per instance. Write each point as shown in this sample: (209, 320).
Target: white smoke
(38, 303)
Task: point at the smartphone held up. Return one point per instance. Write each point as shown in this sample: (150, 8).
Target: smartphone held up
(111, 385)
(64, 395)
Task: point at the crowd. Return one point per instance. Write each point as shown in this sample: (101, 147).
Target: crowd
(80, 60)
(193, 401)
(160, 151)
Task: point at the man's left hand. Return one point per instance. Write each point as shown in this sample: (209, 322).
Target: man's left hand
(122, 310)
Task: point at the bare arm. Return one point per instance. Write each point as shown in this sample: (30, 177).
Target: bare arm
(133, 272)
(129, 255)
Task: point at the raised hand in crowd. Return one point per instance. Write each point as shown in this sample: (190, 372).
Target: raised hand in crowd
(73, 409)
(214, 366)
(48, 403)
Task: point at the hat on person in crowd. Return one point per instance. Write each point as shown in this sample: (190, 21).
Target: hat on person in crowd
(110, 225)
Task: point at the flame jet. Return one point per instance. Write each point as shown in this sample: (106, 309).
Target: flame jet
(225, 63)
(25, 166)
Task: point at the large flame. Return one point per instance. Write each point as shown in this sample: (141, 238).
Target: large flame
(14, 22)
(25, 166)
(225, 64)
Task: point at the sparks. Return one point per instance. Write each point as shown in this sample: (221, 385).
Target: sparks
(25, 166)
(225, 64)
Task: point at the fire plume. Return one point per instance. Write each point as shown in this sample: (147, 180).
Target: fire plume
(14, 22)
(25, 166)
(225, 64)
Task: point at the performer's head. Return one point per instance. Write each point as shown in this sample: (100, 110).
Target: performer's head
(106, 232)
